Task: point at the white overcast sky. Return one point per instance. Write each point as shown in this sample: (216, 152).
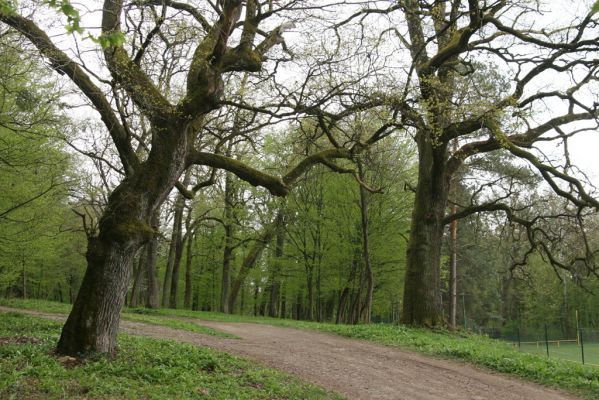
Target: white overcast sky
(584, 148)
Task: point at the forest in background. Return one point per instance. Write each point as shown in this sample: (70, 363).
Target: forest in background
(333, 249)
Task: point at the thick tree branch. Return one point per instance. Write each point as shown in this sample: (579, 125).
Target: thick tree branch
(126, 72)
(177, 5)
(275, 185)
(64, 65)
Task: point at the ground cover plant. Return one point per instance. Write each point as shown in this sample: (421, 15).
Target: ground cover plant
(463, 346)
(142, 369)
(128, 314)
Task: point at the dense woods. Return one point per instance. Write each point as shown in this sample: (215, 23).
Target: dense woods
(329, 161)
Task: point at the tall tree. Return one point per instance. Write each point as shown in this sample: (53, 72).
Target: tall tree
(125, 224)
(447, 42)
(37, 228)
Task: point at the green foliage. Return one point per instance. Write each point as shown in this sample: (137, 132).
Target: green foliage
(595, 7)
(113, 39)
(37, 229)
(147, 316)
(466, 346)
(473, 348)
(143, 368)
(7, 6)
(66, 8)
(140, 315)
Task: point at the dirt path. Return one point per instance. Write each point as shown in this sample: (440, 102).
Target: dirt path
(353, 368)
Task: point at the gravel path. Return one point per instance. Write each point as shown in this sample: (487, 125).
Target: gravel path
(354, 368)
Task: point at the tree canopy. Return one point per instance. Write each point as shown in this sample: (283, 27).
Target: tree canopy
(309, 155)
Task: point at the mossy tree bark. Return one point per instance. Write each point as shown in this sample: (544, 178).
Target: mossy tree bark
(128, 222)
(422, 291)
(93, 322)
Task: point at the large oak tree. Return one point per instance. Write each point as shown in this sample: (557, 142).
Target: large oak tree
(234, 36)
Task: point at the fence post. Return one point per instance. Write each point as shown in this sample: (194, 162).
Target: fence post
(464, 310)
(546, 341)
(581, 344)
(518, 333)
(577, 329)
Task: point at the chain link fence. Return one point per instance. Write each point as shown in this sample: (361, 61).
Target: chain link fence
(578, 344)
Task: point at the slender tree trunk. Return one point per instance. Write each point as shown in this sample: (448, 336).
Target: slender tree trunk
(275, 283)
(24, 292)
(506, 308)
(422, 295)
(283, 313)
(125, 226)
(152, 295)
(453, 272)
(310, 288)
(174, 294)
(341, 309)
(250, 260)
(255, 297)
(369, 277)
(242, 305)
(228, 250)
(174, 253)
(180, 244)
(189, 266)
(141, 267)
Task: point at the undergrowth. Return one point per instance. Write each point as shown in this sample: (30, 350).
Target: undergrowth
(142, 369)
(463, 346)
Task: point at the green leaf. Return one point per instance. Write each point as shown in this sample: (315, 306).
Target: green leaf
(114, 39)
(595, 6)
(7, 7)
(72, 14)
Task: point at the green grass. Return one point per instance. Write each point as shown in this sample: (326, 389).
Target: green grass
(175, 324)
(566, 351)
(143, 369)
(475, 349)
(136, 315)
(39, 305)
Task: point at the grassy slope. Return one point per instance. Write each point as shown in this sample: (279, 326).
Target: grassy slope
(62, 308)
(479, 350)
(143, 369)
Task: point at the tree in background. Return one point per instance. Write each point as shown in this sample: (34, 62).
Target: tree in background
(222, 44)
(38, 232)
(447, 41)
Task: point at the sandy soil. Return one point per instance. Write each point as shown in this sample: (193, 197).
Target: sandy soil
(356, 369)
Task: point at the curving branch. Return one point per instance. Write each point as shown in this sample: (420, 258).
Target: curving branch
(61, 63)
(128, 73)
(275, 185)
(177, 5)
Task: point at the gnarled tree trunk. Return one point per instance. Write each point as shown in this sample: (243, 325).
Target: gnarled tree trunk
(422, 292)
(126, 224)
